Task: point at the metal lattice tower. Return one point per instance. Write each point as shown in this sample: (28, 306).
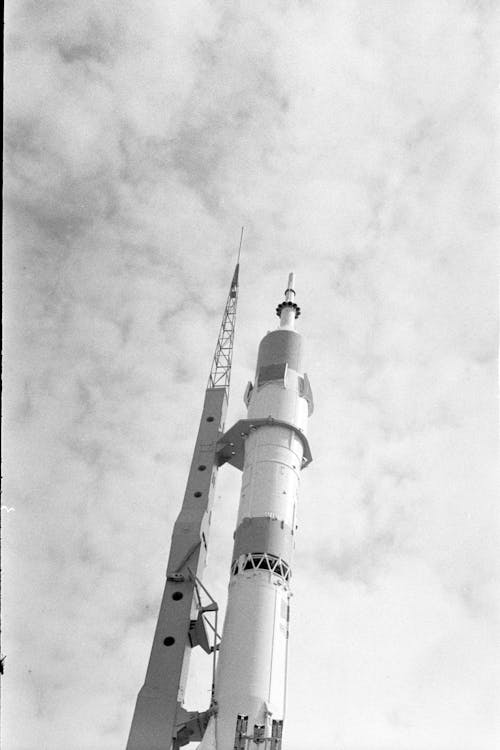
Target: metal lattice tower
(220, 373)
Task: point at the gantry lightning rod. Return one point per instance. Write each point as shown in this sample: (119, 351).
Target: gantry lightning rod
(270, 448)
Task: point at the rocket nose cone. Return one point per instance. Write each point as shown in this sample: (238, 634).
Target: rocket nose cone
(281, 347)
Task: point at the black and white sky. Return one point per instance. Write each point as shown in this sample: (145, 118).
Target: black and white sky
(356, 142)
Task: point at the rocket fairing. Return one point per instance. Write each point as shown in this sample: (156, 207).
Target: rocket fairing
(271, 448)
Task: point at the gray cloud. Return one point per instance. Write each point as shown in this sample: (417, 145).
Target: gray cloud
(355, 145)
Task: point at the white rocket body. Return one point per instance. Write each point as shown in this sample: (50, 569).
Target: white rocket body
(251, 674)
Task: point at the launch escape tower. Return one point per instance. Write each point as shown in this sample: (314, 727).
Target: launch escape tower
(270, 448)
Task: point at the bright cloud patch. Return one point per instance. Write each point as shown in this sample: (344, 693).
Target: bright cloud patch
(354, 142)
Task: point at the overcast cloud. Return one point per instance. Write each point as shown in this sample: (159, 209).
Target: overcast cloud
(356, 143)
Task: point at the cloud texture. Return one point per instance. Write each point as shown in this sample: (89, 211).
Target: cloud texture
(355, 142)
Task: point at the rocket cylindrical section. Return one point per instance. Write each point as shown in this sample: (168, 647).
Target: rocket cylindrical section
(265, 534)
(251, 673)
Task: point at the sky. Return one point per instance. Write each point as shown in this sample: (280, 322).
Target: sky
(357, 143)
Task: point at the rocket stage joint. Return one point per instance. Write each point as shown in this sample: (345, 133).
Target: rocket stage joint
(231, 446)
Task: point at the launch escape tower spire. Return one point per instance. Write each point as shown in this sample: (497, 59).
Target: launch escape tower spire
(270, 448)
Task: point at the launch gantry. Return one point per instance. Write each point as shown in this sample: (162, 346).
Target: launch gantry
(160, 719)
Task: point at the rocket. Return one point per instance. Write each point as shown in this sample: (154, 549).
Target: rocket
(249, 661)
(271, 448)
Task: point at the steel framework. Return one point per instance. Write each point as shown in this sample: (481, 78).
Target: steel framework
(220, 372)
(160, 721)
